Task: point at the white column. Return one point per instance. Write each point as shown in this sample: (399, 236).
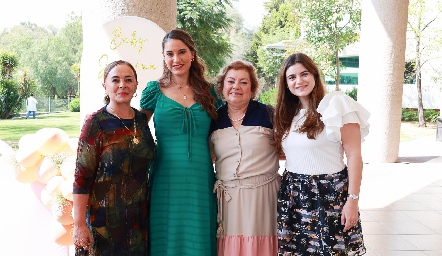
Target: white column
(381, 75)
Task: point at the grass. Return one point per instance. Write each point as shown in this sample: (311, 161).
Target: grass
(411, 130)
(11, 130)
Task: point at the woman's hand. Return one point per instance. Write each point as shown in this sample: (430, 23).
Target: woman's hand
(350, 216)
(82, 236)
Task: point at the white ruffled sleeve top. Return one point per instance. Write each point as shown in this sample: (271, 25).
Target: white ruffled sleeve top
(325, 154)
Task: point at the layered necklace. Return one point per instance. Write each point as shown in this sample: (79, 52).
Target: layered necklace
(134, 139)
(180, 87)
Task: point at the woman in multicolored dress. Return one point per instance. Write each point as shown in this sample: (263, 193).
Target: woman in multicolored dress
(246, 165)
(318, 212)
(115, 150)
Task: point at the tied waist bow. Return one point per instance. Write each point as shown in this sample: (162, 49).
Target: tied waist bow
(222, 192)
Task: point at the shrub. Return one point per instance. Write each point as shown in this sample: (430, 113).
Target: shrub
(269, 97)
(9, 98)
(353, 93)
(412, 115)
(409, 115)
(74, 105)
(431, 115)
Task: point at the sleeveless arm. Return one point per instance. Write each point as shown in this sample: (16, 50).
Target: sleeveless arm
(149, 96)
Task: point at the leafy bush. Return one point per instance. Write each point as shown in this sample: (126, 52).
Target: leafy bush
(269, 97)
(353, 93)
(74, 105)
(409, 115)
(9, 98)
(431, 115)
(412, 115)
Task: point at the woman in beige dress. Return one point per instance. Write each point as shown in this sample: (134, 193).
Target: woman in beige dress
(246, 166)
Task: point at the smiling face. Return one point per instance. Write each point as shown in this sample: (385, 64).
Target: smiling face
(300, 82)
(237, 88)
(177, 57)
(120, 84)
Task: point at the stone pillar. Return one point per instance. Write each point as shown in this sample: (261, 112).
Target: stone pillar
(381, 75)
(162, 12)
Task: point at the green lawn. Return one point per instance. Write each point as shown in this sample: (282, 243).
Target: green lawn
(11, 130)
(411, 130)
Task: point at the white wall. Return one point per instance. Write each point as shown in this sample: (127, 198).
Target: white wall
(431, 95)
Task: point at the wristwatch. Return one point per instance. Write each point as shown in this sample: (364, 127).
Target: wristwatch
(353, 196)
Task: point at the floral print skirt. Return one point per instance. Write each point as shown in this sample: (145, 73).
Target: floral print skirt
(309, 216)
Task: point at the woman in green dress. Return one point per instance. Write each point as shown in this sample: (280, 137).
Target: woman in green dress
(183, 207)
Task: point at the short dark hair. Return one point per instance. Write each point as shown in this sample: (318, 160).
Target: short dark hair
(108, 69)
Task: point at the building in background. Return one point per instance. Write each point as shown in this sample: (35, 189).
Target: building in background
(349, 74)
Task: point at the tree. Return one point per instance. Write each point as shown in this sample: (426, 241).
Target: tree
(281, 22)
(206, 21)
(10, 93)
(330, 26)
(240, 37)
(48, 53)
(8, 62)
(422, 22)
(75, 70)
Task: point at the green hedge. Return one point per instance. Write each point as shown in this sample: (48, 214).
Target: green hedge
(412, 115)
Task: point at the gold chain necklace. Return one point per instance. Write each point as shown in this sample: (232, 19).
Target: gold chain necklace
(134, 139)
(236, 120)
(179, 88)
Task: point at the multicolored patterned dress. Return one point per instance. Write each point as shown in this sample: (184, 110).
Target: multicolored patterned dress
(112, 167)
(314, 185)
(247, 182)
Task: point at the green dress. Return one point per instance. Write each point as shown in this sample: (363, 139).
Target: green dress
(182, 206)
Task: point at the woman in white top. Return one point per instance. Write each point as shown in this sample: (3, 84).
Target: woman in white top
(318, 211)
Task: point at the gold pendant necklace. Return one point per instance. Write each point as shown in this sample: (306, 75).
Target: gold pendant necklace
(135, 140)
(179, 88)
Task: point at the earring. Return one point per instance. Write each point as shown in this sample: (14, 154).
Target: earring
(135, 95)
(191, 60)
(106, 98)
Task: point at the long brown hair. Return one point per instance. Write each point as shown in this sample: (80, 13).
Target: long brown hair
(111, 66)
(200, 86)
(288, 105)
(238, 65)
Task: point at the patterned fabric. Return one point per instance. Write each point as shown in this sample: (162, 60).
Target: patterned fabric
(114, 172)
(309, 216)
(183, 207)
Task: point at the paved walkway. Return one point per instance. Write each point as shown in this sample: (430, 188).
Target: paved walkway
(401, 203)
(401, 208)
